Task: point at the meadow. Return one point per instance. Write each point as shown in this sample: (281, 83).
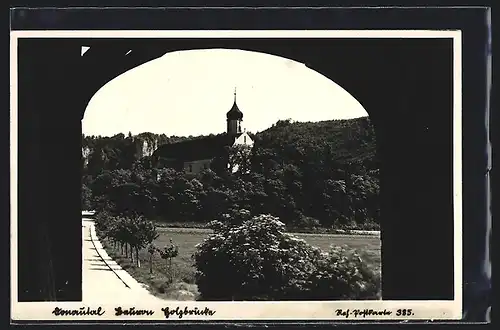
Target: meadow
(178, 282)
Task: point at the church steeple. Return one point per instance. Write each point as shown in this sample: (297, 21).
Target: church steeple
(234, 118)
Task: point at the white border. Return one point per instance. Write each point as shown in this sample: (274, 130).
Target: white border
(324, 310)
(239, 34)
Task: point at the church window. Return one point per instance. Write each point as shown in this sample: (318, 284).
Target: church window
(205, 166)
(245, 139)
(190, 168)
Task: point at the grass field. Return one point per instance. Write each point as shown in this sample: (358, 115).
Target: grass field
(184, 287)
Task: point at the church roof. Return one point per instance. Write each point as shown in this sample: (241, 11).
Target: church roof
(235, 112)
(196, 149)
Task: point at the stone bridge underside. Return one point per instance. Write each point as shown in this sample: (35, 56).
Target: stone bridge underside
(405, 85)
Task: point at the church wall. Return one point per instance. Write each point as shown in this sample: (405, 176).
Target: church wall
(234, 126)
(244, 139)
(169, 163)
(197, 165)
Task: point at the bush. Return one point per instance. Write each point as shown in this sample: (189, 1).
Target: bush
(258, 260)
(253, 261)
(236, 216)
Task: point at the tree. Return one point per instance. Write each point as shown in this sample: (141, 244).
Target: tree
(168, 253)
(96, 161)
(145, 234)
(337, 205)
(86, 197)
(152, 249)
(300, 172)
(132, 232)
(239, 158)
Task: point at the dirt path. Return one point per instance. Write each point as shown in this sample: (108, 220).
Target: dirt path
(104, 281)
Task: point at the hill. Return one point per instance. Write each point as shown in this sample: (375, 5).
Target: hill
(342, 141)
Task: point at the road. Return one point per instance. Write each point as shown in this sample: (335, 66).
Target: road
(104, 281)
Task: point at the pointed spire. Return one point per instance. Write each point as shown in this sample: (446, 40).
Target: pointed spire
(234, 113)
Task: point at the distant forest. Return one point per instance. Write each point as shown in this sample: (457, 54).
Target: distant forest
(312, 175)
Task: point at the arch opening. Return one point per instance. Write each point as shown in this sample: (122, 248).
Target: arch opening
(290, 118)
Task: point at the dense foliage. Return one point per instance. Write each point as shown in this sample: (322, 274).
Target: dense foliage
(310, 175)
(259, 260)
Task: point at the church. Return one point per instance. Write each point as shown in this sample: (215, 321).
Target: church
(196, 155)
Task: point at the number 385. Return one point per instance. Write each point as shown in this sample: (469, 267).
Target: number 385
(404, 312)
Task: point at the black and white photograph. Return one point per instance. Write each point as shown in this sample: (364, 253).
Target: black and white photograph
(252, 175)
(205, 191)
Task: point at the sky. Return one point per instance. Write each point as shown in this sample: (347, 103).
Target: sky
(189, 92)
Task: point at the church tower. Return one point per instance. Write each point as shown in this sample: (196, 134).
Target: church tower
(234, 118)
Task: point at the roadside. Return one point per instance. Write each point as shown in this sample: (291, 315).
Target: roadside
(166, 283)
(103, 280)
(177, 281)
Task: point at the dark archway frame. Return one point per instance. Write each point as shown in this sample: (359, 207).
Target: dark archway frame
(408, 97)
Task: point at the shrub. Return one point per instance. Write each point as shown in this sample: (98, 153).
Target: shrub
(236, 216)
(258, 260)
(341, 274)
(168, 253)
